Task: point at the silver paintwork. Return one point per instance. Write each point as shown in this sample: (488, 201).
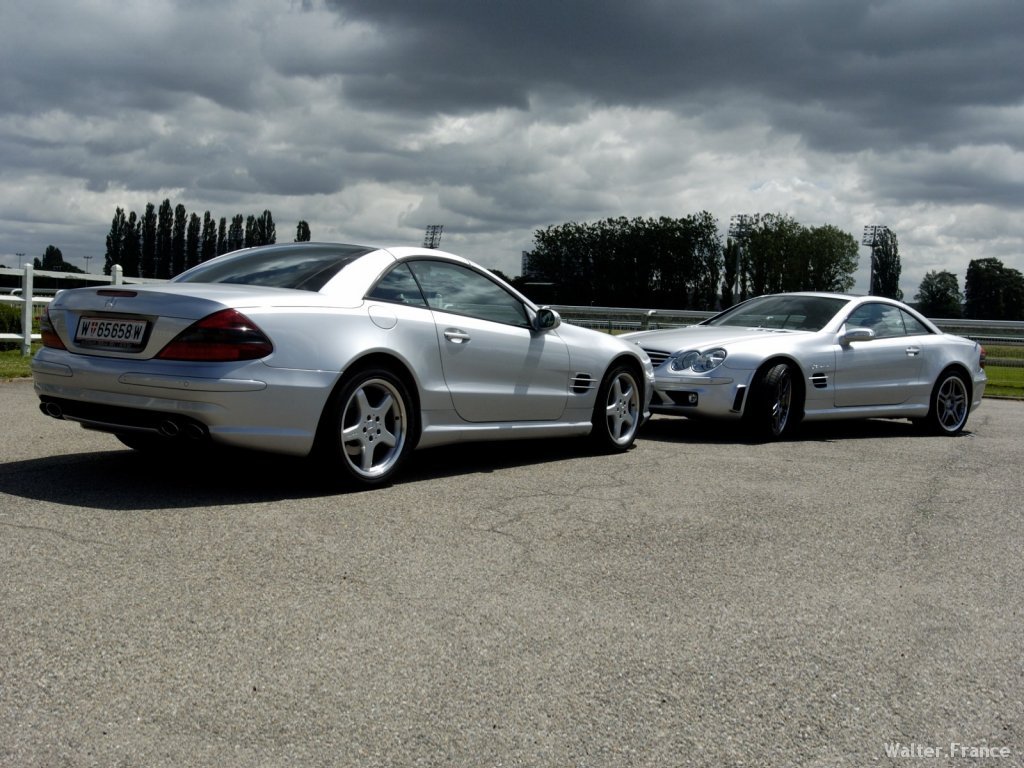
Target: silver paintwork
(842, 371)
(470, 378)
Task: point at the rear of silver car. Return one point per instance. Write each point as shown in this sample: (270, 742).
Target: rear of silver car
(85, 372)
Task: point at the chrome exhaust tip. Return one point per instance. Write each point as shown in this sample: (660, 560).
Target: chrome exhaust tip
(169, 428)
(52, 409)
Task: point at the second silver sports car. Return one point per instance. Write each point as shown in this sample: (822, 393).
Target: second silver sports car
(775, 360)
(356, 354)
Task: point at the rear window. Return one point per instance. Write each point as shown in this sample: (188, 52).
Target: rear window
(305, 268)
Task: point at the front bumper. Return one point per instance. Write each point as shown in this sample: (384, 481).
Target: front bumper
(701, 396)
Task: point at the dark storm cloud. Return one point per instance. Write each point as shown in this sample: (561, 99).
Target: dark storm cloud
(877, 74)
(498, 118)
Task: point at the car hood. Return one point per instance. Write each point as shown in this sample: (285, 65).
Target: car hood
(702, 337)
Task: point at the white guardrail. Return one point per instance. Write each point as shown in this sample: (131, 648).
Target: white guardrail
(33, 301)
(1008, 332)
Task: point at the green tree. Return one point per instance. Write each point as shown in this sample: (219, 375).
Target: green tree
(939, 295)
(115, 241)
(236, 233)
(147, 259)
(192, 240)
(53, 259)
(164, 228)
(131, 251)
(630, 262)
(178, 235)
(209, 238)
(302, 234)
(222, 236)
(993, 291)
(832, 259)
(885, 265)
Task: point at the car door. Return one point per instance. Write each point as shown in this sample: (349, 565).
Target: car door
(496, 366)
(882, 370)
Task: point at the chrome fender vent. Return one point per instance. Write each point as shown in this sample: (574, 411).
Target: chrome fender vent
(581, 383)
(819, 380)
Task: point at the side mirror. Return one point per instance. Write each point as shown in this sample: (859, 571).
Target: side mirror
(546, 319)
(856, 334)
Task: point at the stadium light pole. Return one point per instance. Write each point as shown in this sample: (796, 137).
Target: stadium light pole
(432, 237)
(740, 226)
(872, 234)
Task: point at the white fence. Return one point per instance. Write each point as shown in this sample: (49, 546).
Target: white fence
(32, 301)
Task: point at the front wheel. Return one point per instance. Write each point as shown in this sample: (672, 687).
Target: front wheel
(774, 408)
(368, 427)
(950, 404)
(617, 413)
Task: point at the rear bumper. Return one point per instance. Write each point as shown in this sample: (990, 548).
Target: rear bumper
(251, 405)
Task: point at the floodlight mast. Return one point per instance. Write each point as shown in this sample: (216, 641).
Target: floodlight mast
(740, 227)
(873, 234)
(432, 237)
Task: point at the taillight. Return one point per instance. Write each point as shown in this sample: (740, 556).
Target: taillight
(222, 337)
(48, 334)
(981, 359)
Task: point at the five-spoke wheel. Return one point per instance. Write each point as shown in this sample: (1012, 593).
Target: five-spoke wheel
(618, 412)
(369, 426)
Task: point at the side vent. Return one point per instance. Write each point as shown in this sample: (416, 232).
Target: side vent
(582, 383)
(819, 380)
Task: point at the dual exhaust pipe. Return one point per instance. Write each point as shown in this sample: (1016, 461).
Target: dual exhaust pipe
(169, 427)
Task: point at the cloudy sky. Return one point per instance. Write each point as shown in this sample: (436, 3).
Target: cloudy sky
(372, 119)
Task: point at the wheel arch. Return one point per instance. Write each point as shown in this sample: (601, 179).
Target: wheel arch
(965, 374)
(390, 363)
(800, 382)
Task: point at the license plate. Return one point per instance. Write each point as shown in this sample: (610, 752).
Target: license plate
(111, 333)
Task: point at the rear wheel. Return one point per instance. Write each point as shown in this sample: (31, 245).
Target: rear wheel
(950, 404)
(774, 408)
(617, 413)
(368, 427)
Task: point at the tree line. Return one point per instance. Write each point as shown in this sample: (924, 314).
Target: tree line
(683, 263)
(166, 241)
(664, 263)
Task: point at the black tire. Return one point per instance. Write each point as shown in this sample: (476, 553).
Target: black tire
(950, 404)
(775, 406)
(368, 428)
(618, 411)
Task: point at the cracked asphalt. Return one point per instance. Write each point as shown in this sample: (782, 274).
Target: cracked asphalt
(699, 601)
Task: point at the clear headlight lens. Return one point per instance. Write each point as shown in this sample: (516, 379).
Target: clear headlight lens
(699, 362)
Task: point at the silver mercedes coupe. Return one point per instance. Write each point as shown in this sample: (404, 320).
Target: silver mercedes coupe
(775, 360)
(353, 354)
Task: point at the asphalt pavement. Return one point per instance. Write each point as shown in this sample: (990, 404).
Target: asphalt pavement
(849, 598)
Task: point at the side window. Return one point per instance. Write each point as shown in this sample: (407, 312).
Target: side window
(914, 326)
(398, 287)
(462, 291)
(884, 319)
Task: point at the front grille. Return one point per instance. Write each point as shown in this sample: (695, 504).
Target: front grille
(657, 356)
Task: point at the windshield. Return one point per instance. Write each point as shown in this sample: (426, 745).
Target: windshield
(797, 313)
(306, 268)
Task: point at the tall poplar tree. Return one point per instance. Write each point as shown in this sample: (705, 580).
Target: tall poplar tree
(178, 235)
(147, 259)
(164, 228)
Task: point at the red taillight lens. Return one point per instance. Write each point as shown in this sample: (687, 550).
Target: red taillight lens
(981, 359)
(48, 334)
(222, 337)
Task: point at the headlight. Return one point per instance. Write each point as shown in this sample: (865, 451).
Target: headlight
(699, 362)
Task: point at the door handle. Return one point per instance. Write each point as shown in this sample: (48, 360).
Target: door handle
(913, 351)
(455, 336)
